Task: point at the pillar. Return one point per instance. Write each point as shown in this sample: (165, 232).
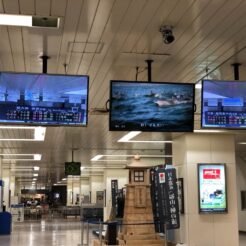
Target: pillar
(206, 229)
(6, 188)
(122, 175)
(96, 184)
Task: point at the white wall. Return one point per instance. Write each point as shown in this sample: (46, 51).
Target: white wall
(206, 229)
(6, 180)
(241, 185)
(122, 176)
(96, 184)
(85, 187)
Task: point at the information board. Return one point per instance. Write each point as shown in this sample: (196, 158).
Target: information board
(212, 188)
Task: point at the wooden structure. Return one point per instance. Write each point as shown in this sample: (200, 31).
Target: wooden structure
(138, 212)
(138, 228)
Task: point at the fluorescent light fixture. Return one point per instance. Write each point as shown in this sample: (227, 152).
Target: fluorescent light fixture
(39, 133)
(143, 156)
(34, 179)
(129, 136)
(64, 179)
(208, 131)
(35, 175)
(15, 20)
(36, 157)
(82, 168)
(59, 182)
(241, 143)
(127, 139)
(198, 86)
(150, 141)
(96, 158)
(36, 168)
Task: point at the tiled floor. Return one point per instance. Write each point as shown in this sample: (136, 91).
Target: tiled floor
(55, 233)
(45, 233)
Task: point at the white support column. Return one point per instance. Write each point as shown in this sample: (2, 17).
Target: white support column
(206, 229)
(6, 188)
(69, 191)
(96, 184)
(122, 175)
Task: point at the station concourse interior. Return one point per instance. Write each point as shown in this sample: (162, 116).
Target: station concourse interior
(63, 64)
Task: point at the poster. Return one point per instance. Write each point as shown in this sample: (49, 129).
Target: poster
(212, 188)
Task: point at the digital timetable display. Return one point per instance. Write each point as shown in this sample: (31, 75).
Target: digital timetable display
(223, 104)
(43, 99)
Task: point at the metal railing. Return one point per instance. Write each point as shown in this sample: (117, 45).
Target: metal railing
(86, 226)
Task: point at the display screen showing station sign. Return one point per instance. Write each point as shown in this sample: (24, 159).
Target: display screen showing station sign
(212, 188)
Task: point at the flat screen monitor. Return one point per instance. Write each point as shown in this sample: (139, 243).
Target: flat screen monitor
(223, 104)
(43, 99)
(72, 168)
(151, 106)
(212, 188)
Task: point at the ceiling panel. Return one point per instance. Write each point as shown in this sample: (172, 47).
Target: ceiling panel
(27, 7)
(209, 36)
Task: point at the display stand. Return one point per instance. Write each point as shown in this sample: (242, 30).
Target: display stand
(17, 211)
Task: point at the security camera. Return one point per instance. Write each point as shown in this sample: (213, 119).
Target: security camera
(167, 34)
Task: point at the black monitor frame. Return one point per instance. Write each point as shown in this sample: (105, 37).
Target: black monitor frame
(146, 82)
(202, 107)
(51, 125)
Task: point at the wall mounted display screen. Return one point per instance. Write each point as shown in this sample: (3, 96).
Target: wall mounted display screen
(212, 188)
(72, 168)
(43, 99)
(151, 106)
(224, 104)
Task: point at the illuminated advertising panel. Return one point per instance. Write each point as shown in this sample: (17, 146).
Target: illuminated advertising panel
(212, 188)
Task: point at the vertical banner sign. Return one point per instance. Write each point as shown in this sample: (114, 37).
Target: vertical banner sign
(155, 198)
(160, 177)
(172, 205)
(114, 191)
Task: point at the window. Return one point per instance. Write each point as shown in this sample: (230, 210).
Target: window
(139, 176)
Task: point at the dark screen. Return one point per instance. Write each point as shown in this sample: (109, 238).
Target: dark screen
(72, 168)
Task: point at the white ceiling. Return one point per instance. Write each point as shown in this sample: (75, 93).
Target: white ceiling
(104, 39)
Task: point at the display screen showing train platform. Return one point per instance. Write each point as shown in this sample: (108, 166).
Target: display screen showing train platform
(43, 99)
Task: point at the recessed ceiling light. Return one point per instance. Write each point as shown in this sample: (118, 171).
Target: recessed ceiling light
(15, 20)
(29, 21)
(35, 175)
(36, 168)
(64, 179)
(198, 86)
(127, 139)
(129, 136)
(34, 179)
(209, 131)
(97, 157)
(36, 157)
(143, 156)
(39, 133)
